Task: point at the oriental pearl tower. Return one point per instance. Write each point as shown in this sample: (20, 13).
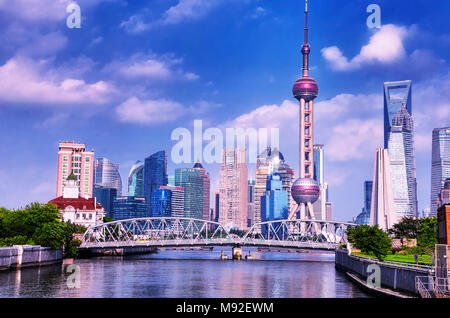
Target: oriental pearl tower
(305, 189)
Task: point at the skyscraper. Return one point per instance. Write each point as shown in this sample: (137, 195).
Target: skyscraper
(136, 180)
(399, 140)
(440, 164)
(251, 203)
(364, 216)
(320, 208)
(206, 190)
(105, 196)
(305, 189)
(155, 174)
(268, 162)
(274, 204)
(73, 157)
(176, 200)
(382, 210)
(161, 203)
(216, 206)
(192, 182)
(107, 175)
(125, 208)
(233, 189)
(396, 94)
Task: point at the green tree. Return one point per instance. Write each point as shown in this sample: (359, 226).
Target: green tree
(50, 234)
(408, 228)
(370, 240)
(427, 232)
(107, 219)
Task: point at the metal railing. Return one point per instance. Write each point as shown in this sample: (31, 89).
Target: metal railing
(424, 286)
(432, 287)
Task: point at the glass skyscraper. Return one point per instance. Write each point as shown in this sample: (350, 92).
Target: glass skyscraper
(155, 175)
(192, 182)
(440, 164)
(364, 216)
(107, 175)
(399, 140)
(251, 202)
(136, 180)
(269, 161)
(125, 208)
(105, 196)
(396, 94)
(274, 204)
(320, 207)
(162, 203)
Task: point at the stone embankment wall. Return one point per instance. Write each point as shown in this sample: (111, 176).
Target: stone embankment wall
(395, 277)
(28, 255)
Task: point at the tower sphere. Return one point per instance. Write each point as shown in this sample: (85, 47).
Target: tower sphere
(305, 190)
(305, 88)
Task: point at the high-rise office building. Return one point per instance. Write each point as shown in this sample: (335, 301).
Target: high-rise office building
(396, 94)
(206, 190)
(125, 208)
(268, 162)
(364, 216)
(320, 207)
(106, 174)
(329, 211)
(274, 204)
(251, 203)
(155, 174)
(136, 180)
(444, 196)
(216, 206)
(177, 200)
(105, 196)
(399, 140)
(168, 201)
(233, 189)
(73, 157)
(192, 182)
(162, 203)
(440, 164)
(382, 210)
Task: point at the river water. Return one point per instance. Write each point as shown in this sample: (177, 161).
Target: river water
(188, 274)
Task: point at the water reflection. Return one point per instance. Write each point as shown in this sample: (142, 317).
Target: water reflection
(188, 274)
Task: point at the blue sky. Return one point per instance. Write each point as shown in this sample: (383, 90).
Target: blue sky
(136, 70)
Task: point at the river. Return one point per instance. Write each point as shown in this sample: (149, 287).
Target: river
(188, 274)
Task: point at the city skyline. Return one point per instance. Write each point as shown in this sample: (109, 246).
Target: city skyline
(187, 70)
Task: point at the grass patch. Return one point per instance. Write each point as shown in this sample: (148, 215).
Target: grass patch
(423, 259)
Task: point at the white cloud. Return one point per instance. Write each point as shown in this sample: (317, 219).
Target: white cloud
(45, 11)
(26, 80)
(35, 10)
(258, 13)
(189, 10)
(150, 68)
(385, 46)
(135, 24)
(354, 139)
(148, 112)
(38, 44)
(268, 116)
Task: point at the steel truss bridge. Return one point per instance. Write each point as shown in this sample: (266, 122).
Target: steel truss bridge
(184, 232)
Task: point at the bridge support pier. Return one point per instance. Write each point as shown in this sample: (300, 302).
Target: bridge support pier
(237, 252)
